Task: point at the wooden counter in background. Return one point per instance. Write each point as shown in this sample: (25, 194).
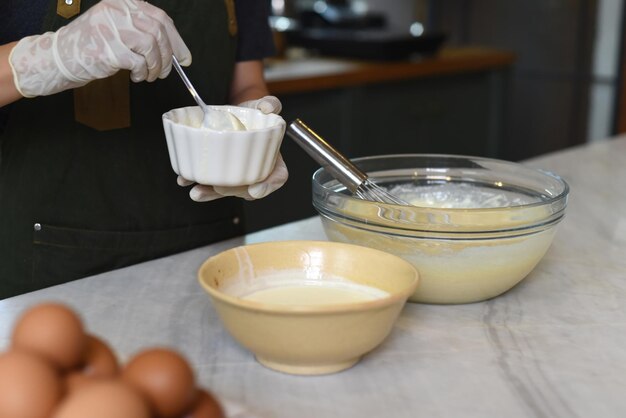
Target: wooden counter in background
(312, 74)
(450, 103)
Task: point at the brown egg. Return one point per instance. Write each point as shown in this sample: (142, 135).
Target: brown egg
(107, 398)
(99, 359)
(165, 378)
(75, 380)
(30, 386)
(206, 406)
(99, 362)
(53, 331)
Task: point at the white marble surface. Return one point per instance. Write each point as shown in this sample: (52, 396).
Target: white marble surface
(554, 346)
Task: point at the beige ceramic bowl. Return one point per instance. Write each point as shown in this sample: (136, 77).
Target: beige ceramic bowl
(295, 333)
(223, 158)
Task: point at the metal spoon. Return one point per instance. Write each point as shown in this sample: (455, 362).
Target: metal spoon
(213, 118)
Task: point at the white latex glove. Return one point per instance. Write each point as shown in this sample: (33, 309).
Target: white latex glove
(267, 104)
(204, 193)
(278, 176)
(108, 37)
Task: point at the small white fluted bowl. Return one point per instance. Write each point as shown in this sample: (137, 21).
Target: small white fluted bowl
(223, 158)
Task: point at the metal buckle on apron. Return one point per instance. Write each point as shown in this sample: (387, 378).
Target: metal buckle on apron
(68, 8)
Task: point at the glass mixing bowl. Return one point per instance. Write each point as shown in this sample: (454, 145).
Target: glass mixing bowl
(478, 225)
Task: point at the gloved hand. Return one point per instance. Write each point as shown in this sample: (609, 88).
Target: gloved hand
(278, 176)
(110, 36)
(267, 104)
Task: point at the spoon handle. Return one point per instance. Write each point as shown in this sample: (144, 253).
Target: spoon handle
(188, 84)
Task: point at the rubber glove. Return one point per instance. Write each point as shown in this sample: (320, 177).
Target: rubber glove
(267, 104)
(278, 176)
(110, 36)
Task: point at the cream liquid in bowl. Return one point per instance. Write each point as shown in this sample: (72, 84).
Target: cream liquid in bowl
(295, 288)
(327, 293)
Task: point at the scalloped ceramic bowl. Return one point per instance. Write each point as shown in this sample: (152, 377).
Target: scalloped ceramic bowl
(308, 307)
(477, 226)
(223, 158)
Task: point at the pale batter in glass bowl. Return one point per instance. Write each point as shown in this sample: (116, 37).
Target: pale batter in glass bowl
(478, 227)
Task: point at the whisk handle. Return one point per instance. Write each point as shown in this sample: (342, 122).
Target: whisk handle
(328, 157)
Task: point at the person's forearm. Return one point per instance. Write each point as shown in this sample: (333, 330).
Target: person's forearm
(8, 91)
(248, 82)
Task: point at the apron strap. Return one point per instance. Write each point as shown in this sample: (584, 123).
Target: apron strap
(104, 104)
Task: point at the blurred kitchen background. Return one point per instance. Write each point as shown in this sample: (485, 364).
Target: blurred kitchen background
(503, 79)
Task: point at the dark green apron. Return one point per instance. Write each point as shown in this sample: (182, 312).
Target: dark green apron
(75, 201)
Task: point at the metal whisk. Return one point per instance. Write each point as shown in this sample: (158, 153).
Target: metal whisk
(339, 166)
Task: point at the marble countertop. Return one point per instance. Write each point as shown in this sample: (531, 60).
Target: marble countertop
(553, 346)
